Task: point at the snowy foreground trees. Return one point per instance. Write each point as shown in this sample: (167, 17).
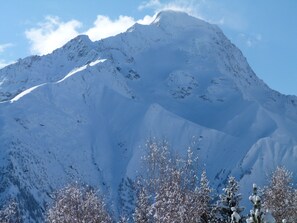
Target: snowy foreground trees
(171, 191)
(280, 197)
(10, 213)
(77, 204)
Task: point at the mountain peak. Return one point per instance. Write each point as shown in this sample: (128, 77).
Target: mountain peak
(79, 41)
(82, 38)
(177, 18)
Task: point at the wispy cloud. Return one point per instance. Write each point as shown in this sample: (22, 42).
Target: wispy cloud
(105, 27)
(150, 4)
(250, 40)
(54, 33)
(3, 47)
(51, 34)
(210, 11)
(191, 6)
(4, 63)
(213, 12)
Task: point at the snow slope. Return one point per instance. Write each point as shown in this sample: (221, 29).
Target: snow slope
(85, 111)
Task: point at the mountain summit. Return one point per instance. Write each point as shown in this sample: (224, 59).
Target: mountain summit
(85, 111)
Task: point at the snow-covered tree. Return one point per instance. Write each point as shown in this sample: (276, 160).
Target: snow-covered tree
(169, 203)
(294, 210)
(10, 213)
(142, 212)
(170, 192)
(256, 215)
(235, 217)
(279, 195)
(77, 204)
(176, 203)
(204, 197)
(229, 199)
(189, 168)
(156, 164)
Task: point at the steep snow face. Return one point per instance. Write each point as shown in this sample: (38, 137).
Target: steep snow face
(85, 111)
(37, 70)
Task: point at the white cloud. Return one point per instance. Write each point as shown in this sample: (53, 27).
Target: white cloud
(146, 20)
(211, 11)
(105, 27)
(4, 63)
(3, 47)
(51, 34)
(54, 33)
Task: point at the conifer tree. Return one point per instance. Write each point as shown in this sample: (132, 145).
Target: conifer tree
(204, 197)
(256, 214)
(235, 217)
(230, 198)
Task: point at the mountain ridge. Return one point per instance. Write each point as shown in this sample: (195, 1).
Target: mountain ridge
(85, 111)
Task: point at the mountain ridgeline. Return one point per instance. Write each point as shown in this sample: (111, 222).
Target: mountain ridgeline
(84, 112)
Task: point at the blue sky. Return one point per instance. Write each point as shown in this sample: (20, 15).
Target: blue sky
(264, 30)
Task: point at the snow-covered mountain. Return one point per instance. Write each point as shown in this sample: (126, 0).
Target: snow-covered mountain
(85, 111)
